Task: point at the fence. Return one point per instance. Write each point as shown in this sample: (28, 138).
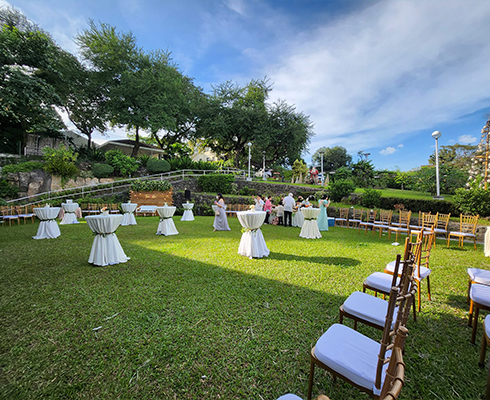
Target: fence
(121, 185)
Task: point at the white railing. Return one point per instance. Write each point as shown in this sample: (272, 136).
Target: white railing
(120, 185)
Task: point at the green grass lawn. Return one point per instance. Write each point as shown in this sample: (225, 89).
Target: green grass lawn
(407, 194)
(188, 318)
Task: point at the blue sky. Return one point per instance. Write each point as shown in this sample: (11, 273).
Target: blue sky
(377, 76)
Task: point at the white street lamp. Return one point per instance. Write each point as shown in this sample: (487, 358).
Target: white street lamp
(323, 178)
(436, 135)
(249, 157)
(264, 175)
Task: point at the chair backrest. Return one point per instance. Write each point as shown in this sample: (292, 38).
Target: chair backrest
(344, 213)
(429, 220)
(395, 374)
(404, 217)
(371, 215)
(357, 214)
(427, 242)
(442, 220)
(467, 223)
(385, 217)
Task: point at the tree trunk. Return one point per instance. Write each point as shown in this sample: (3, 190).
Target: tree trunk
(136, 147)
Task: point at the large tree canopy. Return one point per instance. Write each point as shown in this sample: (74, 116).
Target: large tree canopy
(234, 116)
(31, 80)
(333, 158)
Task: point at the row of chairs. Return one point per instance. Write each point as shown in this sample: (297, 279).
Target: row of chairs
(373, 366)
(16, 213)
(232, 209)
(426, 221)
(94, 208)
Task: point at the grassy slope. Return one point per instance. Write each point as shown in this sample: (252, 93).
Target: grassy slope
(196, 320)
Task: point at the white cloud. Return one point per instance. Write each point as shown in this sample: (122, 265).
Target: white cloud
(387, 151)
(400, 145)
(466, 139)
(395, 67)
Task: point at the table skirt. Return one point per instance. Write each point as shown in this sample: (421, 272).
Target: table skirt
(298, 219)
(188, 216)
(128, 219)
(47, 230)
(253, 244)
(310, 230)
(69, 218)
(106, 250)
(167, 227)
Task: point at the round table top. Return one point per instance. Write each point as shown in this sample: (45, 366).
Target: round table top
(166, 211)
(310, 212)
(251, 219)
(44, 213)
(104, 223)
(69, 207)
(188, 206)
(129, 207)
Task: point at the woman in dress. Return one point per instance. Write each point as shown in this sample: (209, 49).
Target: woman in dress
(220, 219)
(322, 219)
(268, 209)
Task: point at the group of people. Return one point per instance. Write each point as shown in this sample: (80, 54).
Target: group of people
(284, 211)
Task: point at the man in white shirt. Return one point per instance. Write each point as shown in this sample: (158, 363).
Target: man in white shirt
(288, 209)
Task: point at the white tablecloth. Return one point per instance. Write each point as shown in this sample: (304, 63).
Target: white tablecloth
(487, 242)
(166, 226)
(69, 216)
(48, 228)
(298, 218)
(188, 215)
(310, 230)
(252, 243)
(128, 214)
(106, 249)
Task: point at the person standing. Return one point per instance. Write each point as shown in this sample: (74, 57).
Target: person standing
(259, 203)
(288, 209)
(220, 219)
(268, 209)
(322, 219)
(280, 213)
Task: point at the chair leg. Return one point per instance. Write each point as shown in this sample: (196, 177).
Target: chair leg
(483, 350)
(475, 325)
(474, 242)
(470, 316)
(419, 295)
(448, 238)
(310, 381)
(428, 288)
(414, 312)
(468, 294)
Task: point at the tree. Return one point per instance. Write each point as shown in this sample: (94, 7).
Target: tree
(333, 158)
(450, 179)
(456, 155)
(363, 172)
(403, 178)
(30, 80)
(300, 169)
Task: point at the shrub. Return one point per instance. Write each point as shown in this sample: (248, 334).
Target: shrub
(91, 154)
(3, 202)
(60, 161)
(246, 191)
(102, 170)
(339, 189)
(150, 186)
(156, 166)
(473, 201)
(143, 160)
(27, 166)
(123, 165)
(216, 183)
(416, 205)
(7, 190)
(371, 198)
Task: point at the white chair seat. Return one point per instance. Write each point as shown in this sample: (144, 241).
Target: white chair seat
(380, 281)
(355, 220)
(369, 308)
(351, 354)
(289, 396)
(424, 271)
(465, 234)
(480, 294)
(479, 276)
(398, 229)
(416, 227)
(439, 230)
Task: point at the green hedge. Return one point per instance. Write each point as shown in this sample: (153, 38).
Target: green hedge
(473, 201)
(156, 166)
(27, 166)
(150, 186)
(416, 205)
(102, 170)
(216, 183)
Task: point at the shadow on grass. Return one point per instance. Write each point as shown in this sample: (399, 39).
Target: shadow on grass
(339, 261)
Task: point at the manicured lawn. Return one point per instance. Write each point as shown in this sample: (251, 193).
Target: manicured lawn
(188, 318)
(407, 194)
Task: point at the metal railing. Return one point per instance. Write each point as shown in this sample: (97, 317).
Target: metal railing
(121, 185)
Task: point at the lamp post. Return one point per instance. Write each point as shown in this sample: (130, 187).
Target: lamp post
(321, 166)
(436, 135)
(249, 157)
(264, 175)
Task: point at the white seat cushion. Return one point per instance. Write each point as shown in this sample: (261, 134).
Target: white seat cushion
(351, 354)
(289, 396)
(380, 281)
(424, 271)
(398, 229)
(487, 325)
(480, 294)
(369, 308)
(479, 276)
(439, 230)
(465, 234)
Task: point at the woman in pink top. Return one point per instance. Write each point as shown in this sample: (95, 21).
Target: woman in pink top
(267, 209)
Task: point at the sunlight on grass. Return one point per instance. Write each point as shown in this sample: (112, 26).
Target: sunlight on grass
(187, 317)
